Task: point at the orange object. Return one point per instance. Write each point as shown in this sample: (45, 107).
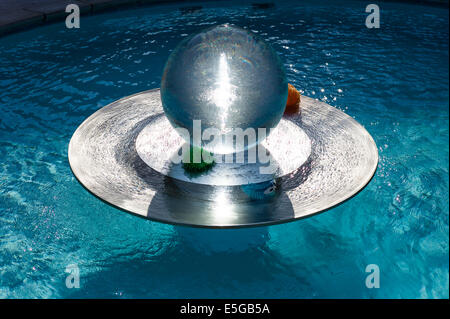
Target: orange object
(293, 100)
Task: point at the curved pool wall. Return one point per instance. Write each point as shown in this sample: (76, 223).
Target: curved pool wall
(17, 15)
(393, 80)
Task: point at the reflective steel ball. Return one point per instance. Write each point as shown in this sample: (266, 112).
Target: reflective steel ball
(228, 78)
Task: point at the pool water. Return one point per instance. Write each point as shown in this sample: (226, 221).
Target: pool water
(393, 80)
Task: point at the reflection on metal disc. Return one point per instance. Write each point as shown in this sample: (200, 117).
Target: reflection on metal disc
(287, 148)
(108, 155)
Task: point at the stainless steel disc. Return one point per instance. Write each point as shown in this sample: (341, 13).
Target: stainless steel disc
(158, 142)
(330, 159)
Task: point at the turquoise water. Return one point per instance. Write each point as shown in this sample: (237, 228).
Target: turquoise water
(393, 80)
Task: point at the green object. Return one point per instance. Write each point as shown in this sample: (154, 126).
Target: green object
(200, 167)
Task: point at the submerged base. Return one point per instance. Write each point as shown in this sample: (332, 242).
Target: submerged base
(109, 157)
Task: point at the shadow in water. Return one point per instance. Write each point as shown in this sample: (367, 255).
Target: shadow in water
(211, 241)
(194, 263)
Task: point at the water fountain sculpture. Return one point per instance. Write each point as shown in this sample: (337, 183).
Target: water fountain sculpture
(222, 100)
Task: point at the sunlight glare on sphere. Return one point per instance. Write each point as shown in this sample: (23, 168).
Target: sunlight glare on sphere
(228, 78)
